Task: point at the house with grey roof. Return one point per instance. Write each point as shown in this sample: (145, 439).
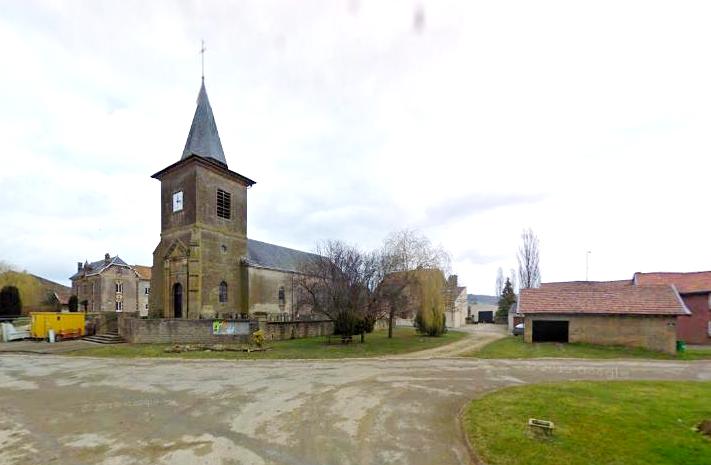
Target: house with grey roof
(204, 265)
(112, 285)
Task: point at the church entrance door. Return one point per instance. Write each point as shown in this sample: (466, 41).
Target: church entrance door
(177, 300)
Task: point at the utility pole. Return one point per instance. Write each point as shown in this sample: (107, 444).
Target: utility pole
(587, 264)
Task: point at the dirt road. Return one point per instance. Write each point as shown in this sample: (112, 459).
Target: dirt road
(477, 337)
(58, 409)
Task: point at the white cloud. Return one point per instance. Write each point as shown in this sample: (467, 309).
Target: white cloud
(587, 123)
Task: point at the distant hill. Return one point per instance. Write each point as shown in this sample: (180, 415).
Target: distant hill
(482, 299)
(37, 293)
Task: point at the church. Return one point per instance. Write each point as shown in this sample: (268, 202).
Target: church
(205, 266)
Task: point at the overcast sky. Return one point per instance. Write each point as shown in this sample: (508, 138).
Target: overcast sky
(588, 122)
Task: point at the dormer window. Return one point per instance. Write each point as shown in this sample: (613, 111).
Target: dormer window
(178, 201)
(224, 204)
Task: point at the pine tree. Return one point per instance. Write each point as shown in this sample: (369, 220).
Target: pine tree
(507, 299)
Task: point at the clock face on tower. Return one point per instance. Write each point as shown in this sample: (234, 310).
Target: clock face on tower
(178, 201)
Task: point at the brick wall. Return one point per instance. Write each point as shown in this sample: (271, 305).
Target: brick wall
(649, 332)
(186, 331)
(693, 329)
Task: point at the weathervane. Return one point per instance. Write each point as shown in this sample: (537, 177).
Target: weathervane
(202, 52)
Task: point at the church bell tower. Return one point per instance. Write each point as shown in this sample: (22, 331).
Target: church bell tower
(196, 266)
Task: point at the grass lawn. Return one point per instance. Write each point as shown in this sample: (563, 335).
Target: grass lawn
(376, 344)
(514, 347)
(621, 423)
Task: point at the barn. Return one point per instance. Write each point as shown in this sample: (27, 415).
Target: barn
(606, 313)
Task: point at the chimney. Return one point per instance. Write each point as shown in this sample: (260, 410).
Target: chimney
(453, 280)
(107, 258)
(80, 266)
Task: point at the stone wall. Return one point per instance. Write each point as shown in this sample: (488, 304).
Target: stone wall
(144, 291)
(277, 331)
(105, 322)
(177, 331)
(264, 285)
(649, 332)
(186, 331)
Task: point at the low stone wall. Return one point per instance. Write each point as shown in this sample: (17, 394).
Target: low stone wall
(280, 330)
(104, 322)
(178, 331)
(183, 331)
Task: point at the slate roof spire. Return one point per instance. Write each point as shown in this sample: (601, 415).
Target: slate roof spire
(203, 139)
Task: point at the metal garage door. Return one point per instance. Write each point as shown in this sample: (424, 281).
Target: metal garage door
(486, 317)
(550, 331)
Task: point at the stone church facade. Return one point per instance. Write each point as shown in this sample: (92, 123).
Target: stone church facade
(205, 266)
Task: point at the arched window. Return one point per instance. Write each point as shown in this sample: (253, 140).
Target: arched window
(223, 292)
(282, 296)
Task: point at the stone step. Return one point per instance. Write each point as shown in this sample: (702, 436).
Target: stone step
(105, 339)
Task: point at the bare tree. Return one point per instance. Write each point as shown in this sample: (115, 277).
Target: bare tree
(499, 282)
(355, 288)
(409, 249)
(339, 282)
(403, 253)
(512, 273)
(529, 272)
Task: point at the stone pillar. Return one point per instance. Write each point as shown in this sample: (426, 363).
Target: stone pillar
(167, 297)
(194, 276)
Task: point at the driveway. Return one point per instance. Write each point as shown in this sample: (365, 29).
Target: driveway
(57, 409)
(477, 337)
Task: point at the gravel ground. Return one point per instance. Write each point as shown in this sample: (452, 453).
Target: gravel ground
(58, 409)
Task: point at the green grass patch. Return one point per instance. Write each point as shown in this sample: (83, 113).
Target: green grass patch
(514, 347)
(621, 423)
(376, 344)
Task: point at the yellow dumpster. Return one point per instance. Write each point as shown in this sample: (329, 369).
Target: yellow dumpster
(65, 325)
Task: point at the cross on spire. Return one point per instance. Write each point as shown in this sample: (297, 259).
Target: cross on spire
(202, 53)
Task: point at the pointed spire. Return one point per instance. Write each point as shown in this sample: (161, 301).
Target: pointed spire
(203, 139)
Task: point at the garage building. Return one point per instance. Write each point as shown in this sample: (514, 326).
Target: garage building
(606, 313)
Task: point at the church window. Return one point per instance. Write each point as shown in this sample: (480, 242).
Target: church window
(119, 286)
(223, 292)
(224, 204)
(119, 306)
(282, 296)
(147, 291)
(178, 201)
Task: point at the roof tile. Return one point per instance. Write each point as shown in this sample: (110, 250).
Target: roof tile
(686, 283)
(602, 298)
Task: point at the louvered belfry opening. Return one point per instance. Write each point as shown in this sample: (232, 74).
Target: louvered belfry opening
(224, 203)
